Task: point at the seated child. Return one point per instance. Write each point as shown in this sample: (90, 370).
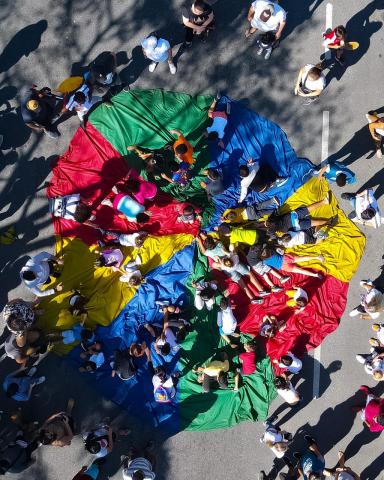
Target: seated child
(220, 119)
(298, 298)
(172, 319)
(138, 350)
(215, 370)
(289, 363)
(94, 358)
(227, 322)
(135, 240)
(211, 247)
(72, 207)
(131, 274)
(189, 215)
(214, 185)
(183, 149)
(77, 306)
(112, 258)
(155, 161)
(277, 440)
(164, 386)
(131, 210)
(206, 293)
(270, 325)
(141, 190)
(180, 174)
(248, 359)
(123, 365)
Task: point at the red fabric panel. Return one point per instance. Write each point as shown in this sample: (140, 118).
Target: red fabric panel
(304, 330)
(91, 167)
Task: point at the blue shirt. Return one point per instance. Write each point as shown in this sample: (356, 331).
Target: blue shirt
(274, 261)
(220, 121)
(335, 168)
(23, 382)
(181, 176)
(310, 463)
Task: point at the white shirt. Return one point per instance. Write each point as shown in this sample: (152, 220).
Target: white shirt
(167, 385)
(40, 267)
(373, 297)
(128, 239)
(313, 85)
(102, 432)
(235, 260)
(379, 131)
(81, 109)
(272, 25)
(227, 321)
(364, 201)
(295, 366)
(171, 339)
(290, 396)
(380, 334)
(246, 181)
(159, 53)
(300, 293)
(297, 238)
(274, 436)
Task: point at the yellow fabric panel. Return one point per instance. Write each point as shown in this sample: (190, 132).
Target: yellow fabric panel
(107, 295)
(70, 84)
(345, 244)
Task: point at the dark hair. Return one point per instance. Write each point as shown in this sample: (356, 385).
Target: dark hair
(368, 214)
(188, 210)
(315, 476)
(341, 179)
(199, 4)
(251, 345)
(132, 185)
(213, 174)
(181, 334)
(86, 334)
(12, 389)
(46, 438)
(223, 379)
(380, 419)
(207, 293)
(90, 365)
(314, 72)
(136, 349)
(101, 261)
(212, 136)
(286, 237)
(174, 166)
(15, 323)
(160, 372)
(266, 252)
(28, 275)
(228, 262)
(134, 281)
(181, 149)
(142, 217)
(209, 243)
(224, 229)
(92, 445)
(243, 171)
(82, 213)
(224, 303)
(138, 475)
(340, 31)
(79, 97)
(79, 306)
(268, 38)
(286, 360)
(301, 301)
(165, 349)
(281, 383)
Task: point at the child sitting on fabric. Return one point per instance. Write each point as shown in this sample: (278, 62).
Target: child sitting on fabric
(206, 293)
(227, 322)
(211, 247)
(214, 370)
(189, 215)
(180, 174)
(164, 386)
(251, 212)
(247, 359)
(298, 298)
(131, 274)
(182, 148)
(220, 119)
(75, 334)
(94, 358)
(131, 210)
(289, 363)
(214, 184)
(155, 161)
(77, 306)
(112, 258)
(270, 325)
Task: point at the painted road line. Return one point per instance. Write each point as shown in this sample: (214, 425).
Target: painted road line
(316, 372)
(325, 137)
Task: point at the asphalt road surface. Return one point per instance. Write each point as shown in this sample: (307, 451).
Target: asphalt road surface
(42, 43)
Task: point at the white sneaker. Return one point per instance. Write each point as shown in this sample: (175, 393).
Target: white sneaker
(379, 153)
(354, 313)
(172, 68)
(360, 358)
(152, 67)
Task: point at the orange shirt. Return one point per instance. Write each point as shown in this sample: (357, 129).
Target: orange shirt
(187, 157)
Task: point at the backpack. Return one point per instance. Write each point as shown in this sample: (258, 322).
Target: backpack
(161, 395)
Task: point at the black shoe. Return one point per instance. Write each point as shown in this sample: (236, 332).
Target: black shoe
(347, 196)
(309, 439)
(333, 221)
(297, 455)
(287, 461)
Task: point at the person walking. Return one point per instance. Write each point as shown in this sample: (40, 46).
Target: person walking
(158, 50)
(310, 82)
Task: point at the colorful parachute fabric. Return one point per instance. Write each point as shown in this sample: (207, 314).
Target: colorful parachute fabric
(95, 161)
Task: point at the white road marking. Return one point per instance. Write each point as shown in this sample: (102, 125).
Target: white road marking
(325, 137)
(316, 371)
(328, 25)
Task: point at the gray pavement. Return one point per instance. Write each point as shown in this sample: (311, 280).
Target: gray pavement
(42, 43)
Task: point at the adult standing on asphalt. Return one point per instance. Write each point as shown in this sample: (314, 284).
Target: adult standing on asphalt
(310, 82)
(198, 20)
(266, 16)
(158, 51)
(372, 413)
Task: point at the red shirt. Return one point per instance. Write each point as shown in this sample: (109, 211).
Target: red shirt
(249, 362)
(372, 410)
(331, 39)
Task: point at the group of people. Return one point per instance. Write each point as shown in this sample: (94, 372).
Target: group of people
(253, 257)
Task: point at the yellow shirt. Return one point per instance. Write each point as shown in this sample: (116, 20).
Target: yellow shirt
(215, 367)
(242, 235)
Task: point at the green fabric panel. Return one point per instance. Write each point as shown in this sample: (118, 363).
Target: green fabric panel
(219, 408)
(144, 118)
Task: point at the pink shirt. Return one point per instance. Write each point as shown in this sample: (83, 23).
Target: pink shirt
(372, 410)
(147, 191)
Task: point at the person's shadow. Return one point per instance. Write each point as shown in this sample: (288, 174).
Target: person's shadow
(298, 13)
(136, 66)
(357, 147)
(359, 28)
(23, 43)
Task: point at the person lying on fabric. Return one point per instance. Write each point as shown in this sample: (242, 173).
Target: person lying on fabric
(183, 150)
(270, 326)
(156, 161)
(190, 215)
(260, 268)
(164, 385)
(180, 174)
(129, 208)
(216, 132)
(297, 298)
(135, 240)
(366, 209)
(236, 271)
(131, 273)
(237, 235)
(336, 172)
(287, 262)
(77, 333)
(299, 219)
(94, 358)
(138, 350)
(289, 363)
(72, 207)
(211, 247)
(214, 183)
(165, 342)
(123, 365)
(310, 236)
(227, 322)
(111, 257)
(372, 302)
(19, 384)
(251, 212)
(207, 294)
(39, 270)
(173, 318)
